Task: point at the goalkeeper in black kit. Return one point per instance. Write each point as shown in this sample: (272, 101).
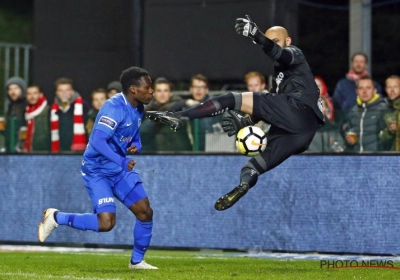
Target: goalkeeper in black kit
(293, 108)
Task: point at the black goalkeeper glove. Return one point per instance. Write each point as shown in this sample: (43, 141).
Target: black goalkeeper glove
(247, 28)
(232, 122)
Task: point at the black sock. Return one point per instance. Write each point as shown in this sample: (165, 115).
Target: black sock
(214, 106)
(248, 176)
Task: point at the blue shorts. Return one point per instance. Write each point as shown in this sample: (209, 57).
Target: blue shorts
(127, 187)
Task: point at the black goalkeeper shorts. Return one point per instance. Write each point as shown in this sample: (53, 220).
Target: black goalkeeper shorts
(293, 126)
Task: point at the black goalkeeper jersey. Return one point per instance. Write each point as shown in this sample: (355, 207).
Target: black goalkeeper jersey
(296, 79)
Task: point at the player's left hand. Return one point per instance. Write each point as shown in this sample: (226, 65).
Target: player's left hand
(132, 149)
(247, 28)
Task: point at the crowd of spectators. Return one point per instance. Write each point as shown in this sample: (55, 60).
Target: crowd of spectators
(359, 116)
(36, 123)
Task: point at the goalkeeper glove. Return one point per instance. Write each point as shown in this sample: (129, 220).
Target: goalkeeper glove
(232, 122)
(247, 28)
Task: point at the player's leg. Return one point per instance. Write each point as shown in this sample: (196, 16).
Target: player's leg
(142, 232)
(217, 105)
(281, 145)
(103, 218)
(129, 190)
(209, 108)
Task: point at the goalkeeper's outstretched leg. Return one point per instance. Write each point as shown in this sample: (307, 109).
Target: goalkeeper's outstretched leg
(210, 108)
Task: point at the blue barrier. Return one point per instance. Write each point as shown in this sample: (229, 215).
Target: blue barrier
(309, 203)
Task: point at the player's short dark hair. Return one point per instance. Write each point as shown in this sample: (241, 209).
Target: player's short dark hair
(360, 53)
(132, 76)
(162, 80)
(200, 77)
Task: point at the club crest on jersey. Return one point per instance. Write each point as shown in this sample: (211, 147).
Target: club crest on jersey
(125, 139)
(108, 122)
(139, 122)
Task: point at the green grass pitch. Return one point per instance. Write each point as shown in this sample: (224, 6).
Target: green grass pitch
(172, 265)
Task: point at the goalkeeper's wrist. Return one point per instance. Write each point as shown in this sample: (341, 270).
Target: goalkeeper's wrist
(247, 121)
(260, 38)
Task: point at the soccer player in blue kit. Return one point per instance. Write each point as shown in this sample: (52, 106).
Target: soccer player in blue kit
(108, 173)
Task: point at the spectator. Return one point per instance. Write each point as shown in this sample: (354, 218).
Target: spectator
(255, 82)
(344, 96)
(365, 120)
(199, 89)
(164, 138)
(68, 115)
(390, 135)
(98, 97)
(15, 115)
(113, 88)
(37, 121)
(327, 138)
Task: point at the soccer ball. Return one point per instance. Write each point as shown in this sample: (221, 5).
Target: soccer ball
(251, 141)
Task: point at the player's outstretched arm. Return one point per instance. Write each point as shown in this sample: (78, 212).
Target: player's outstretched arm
(247, 28)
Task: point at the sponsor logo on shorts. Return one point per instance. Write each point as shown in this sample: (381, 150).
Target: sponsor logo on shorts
(106, 200)
(108, 122)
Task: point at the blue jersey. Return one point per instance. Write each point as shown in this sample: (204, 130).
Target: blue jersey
(119, 119)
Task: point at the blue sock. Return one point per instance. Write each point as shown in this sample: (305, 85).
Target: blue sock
(142, 233)
(78, 221)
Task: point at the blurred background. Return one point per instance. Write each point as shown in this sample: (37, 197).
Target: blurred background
(92, 41)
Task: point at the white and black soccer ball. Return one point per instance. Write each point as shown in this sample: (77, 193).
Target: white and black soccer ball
(251, 141)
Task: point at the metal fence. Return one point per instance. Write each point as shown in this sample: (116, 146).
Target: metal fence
(14, 61)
